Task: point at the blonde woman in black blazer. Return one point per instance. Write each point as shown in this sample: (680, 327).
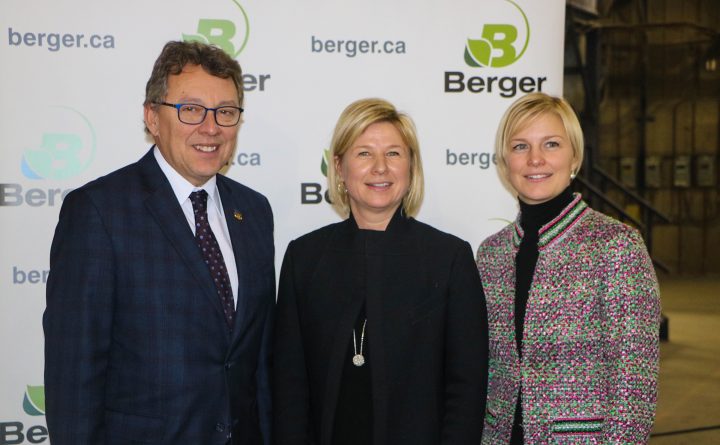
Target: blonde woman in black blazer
(381, 329)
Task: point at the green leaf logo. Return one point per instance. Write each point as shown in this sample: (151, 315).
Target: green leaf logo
(496, 47)
(34, 401)
(324, 163)
(477, 53)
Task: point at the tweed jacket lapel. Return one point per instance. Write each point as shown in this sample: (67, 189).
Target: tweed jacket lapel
(550, 259)
(505, 299)
(163, 206)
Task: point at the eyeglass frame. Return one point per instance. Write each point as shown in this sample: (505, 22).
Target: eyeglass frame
(214, 110)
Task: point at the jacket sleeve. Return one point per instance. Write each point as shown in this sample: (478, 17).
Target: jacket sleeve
(291, 392)
(466, 357)
(632, 304)
(77, 324)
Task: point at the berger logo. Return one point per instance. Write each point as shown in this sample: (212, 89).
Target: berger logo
(34, 401)
(66, 147)
(312, 192)
(222, 32)
(500, 45)
(502, 42)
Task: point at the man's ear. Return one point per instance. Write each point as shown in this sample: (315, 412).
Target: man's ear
(151, 118)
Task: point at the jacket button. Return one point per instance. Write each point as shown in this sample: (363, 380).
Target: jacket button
(228, 365)
(219, 427)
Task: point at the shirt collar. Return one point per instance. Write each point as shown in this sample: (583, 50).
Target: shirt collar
(557, 226)
(181, 186)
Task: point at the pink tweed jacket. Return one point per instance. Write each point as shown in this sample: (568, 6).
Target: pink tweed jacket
(589, 367)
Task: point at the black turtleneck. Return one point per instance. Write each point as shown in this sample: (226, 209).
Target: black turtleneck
(532, 218)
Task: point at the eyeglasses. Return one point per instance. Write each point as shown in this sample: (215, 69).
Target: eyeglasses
(194, 114)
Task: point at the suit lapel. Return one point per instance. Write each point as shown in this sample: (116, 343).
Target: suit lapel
(239, 229)
(163, 206)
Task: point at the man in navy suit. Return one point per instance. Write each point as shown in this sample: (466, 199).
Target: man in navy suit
(159, 305)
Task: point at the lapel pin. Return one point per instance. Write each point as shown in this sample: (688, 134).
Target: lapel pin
(238, 215)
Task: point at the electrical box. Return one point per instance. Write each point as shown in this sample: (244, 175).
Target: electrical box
(652, 172)
(628, 171)
(705, 168)
(681, 171)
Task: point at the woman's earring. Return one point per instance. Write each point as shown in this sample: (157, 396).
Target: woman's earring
(572, 175)
(341, 188)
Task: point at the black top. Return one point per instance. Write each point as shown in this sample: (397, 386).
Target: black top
(532, 218)
(426, 330)
(353, 415)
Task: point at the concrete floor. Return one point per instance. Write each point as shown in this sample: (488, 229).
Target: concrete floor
(689, 388)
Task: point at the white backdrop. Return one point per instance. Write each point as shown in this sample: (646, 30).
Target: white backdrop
(72, 80)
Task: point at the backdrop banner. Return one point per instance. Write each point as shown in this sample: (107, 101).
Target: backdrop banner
(72, 85)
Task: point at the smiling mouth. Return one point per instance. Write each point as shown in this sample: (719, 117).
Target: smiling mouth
(539, 176)
(379, 184)
(205, 148)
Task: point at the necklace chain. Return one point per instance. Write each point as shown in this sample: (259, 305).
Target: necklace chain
(358, 357)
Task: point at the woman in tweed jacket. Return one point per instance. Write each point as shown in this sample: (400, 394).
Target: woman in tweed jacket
(572, 298)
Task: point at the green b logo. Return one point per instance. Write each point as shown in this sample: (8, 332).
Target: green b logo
(496, 47)
(66, 149)
(56, 158)
(222, 33)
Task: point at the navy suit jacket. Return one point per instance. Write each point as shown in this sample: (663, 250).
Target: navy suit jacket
(137, 349)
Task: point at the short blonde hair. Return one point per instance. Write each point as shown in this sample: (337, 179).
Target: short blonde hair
(525, 110)
(353, 121)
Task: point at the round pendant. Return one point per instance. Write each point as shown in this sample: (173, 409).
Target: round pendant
(358, 360)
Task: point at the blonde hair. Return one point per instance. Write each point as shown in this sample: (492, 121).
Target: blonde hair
(353, 121)
(525, 110)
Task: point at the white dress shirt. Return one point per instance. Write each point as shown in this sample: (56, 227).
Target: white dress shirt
(216, 216)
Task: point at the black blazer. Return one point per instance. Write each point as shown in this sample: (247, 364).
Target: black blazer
(137, 349)
(426, 328)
